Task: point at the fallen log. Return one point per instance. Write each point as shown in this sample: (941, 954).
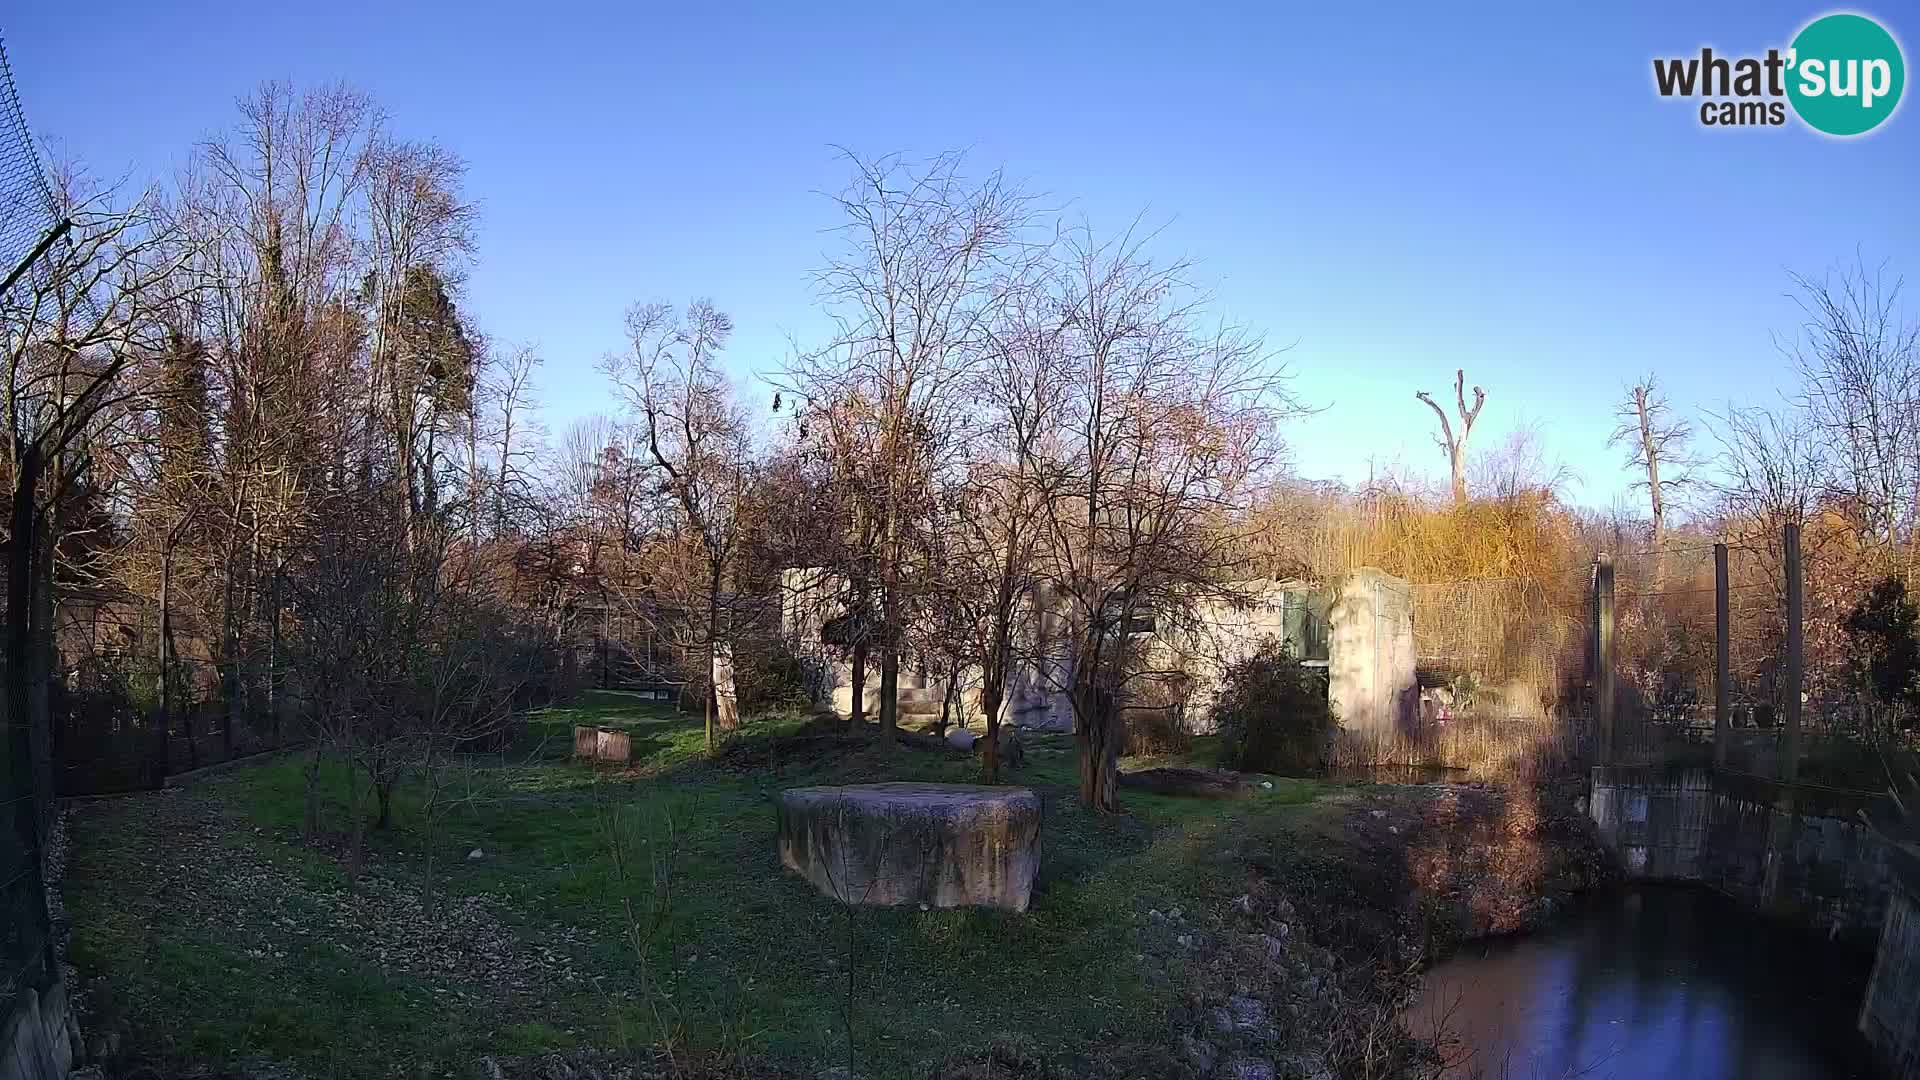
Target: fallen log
(926, 742)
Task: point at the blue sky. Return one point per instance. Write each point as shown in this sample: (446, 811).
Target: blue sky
(1395, 190)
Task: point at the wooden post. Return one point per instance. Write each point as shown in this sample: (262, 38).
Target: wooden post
(1603, 705)
(1796, 655)
(1722, 721)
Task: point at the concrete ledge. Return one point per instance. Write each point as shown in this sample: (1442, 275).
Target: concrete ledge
(942, 845)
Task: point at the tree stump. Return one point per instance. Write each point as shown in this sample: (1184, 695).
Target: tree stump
(942, 845)
(614, 745)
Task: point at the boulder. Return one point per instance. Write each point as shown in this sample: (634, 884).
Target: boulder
(942, 845)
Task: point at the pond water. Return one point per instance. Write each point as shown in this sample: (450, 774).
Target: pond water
(1651, 982)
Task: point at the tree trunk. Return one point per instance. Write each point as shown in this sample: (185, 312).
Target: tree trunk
(948, 706)
(161, 648)
(384, 792)
(311, 825)
(40, 676)
(1457, 459)
(857, 709)
(1099, 737)
(889, 666)
(273, 653)
(990, 692)
(20, 563)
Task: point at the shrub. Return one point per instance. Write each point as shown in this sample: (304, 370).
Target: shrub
(772, 678)
(1883, 631)
(1273, 715)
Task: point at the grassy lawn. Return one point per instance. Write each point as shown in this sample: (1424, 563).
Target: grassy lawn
(209, 932)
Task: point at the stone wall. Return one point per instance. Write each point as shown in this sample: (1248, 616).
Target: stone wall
(1799, 851)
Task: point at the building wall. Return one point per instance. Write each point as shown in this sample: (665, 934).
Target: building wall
(1215, 634)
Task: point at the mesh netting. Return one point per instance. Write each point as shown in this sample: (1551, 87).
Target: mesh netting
(26, 213)
(27, 208)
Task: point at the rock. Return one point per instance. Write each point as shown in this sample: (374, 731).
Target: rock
(1247, 1012)
(1266, 785)
(962, 738)
(1199, 1053)
(1378, 814)
(476, 855)
(1271, 947)
(944, 845)
(1243, 1068)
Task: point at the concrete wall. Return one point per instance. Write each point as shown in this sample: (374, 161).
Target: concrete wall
(1890, 1013)
(1370, 661)
(1793, 850)
(1214, 634)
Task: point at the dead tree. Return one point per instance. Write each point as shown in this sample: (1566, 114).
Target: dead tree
(1456, 444)
(1657, 446)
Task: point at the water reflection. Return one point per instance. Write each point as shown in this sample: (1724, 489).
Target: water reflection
(1652, 982)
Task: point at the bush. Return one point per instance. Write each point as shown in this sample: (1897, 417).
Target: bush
(1273, 714)
(1154, 722)
(1883, 633)
(772, 679)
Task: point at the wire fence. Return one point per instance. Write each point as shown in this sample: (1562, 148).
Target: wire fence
(1509, 670)
(27, 213)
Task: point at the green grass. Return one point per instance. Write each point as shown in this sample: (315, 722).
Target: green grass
(749, 954)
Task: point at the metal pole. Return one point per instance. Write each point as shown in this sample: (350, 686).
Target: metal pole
(1603, 654)
(1722, 720)
(1796, 655)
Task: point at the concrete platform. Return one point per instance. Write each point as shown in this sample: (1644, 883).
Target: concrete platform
(942, 845)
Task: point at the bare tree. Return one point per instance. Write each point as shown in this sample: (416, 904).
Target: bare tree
(912, 295)
(72, 328)
(1658, 445)
(1455, 444)
(1859, 367)
(699, 441)
(1166, 431)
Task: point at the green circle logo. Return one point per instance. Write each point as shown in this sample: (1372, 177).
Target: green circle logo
(1845, 74)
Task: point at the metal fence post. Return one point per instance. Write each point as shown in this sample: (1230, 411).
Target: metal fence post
(1603, 705)
(1722, 721)
(1796, 654)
